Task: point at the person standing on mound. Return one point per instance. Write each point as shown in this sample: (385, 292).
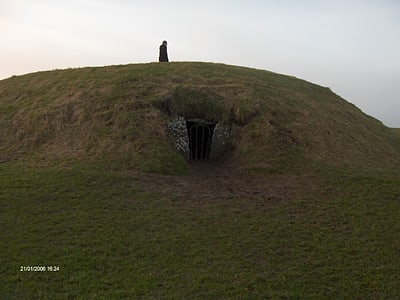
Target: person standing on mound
(163, 52)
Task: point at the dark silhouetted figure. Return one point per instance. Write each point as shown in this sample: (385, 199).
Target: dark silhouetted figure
(163, 52)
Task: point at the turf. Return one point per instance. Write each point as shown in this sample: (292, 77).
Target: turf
(112, 239)
(119, 115)
(92, 188)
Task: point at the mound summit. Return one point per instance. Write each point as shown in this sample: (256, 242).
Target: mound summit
(120, 115)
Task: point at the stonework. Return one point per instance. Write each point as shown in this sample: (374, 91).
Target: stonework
(220, 141)
(177, 127)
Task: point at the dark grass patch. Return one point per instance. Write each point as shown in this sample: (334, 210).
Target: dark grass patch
(112, 239)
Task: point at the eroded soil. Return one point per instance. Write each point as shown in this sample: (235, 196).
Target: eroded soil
(218, 181)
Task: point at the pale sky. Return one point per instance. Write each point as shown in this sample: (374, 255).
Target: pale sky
(351, 46)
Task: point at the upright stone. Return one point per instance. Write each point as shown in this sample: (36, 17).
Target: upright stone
(221, 140)
(177, 127)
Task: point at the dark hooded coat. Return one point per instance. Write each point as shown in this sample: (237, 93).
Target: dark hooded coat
(163, 53)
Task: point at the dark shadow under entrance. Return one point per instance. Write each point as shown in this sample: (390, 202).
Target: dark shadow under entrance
(200, 138)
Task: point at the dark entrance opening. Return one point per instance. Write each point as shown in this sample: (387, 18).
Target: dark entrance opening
(200, 138)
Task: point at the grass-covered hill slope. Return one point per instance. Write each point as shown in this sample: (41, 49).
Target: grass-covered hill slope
(119, 114)
(78, 221)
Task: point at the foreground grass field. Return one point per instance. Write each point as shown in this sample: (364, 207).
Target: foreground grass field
(112, 238)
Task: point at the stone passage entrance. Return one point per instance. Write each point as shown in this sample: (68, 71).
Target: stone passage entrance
(199, 139)
(200, 135)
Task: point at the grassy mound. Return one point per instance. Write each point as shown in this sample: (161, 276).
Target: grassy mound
(71, 204)
(118, 116)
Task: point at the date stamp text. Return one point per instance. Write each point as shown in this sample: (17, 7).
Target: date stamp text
(39, 269)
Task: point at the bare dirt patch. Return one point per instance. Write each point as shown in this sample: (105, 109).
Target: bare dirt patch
(218, 181)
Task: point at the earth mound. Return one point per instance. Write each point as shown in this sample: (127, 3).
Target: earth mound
(120, 116)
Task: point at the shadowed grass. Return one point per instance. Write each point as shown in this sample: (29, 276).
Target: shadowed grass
(111, 239)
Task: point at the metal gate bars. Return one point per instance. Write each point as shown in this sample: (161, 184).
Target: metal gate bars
(200, 138)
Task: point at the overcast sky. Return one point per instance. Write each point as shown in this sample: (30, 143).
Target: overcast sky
(351, 46)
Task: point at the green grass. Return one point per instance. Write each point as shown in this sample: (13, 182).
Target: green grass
(75, 143)
(113, 240)
(121, 112)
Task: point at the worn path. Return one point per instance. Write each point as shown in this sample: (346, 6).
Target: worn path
(217, 181)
